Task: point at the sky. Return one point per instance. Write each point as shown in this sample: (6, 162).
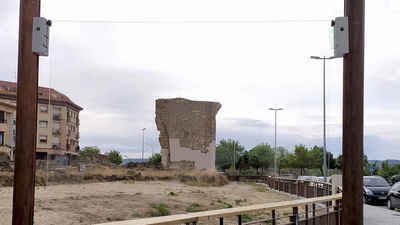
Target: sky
(248, 55)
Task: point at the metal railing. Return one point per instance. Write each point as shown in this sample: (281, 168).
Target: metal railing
(318, 207)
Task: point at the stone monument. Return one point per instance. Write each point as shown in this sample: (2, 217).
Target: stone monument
(187, 132)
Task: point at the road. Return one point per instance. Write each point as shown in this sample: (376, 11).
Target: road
(380, 215)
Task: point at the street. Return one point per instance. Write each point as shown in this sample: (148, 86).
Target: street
(380, 215)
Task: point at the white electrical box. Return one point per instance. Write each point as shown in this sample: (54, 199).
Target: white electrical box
(40, 36)
(341, 36)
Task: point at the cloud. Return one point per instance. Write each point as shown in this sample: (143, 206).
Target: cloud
(116, 71)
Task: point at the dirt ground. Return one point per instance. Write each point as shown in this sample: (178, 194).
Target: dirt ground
(102, 202)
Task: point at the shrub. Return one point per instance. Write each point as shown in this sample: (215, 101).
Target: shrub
(155, 160)
(114, 157)
(90, 151)
(160, 209)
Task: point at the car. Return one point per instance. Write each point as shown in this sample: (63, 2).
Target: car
(376, 189)
(393, 197)
(395, 179)
(307, 178)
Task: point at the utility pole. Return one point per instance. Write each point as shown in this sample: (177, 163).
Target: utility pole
(353, 113)
(143, 144)
(275, 146)
(27, 90)
(234, 155)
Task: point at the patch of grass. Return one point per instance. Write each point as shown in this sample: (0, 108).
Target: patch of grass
(246, 218)
(159, 209)
(224, 204)
(239, 201)
(195, 207)
(258, 187)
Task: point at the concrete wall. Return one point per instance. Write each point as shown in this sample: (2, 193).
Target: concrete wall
(187, 132)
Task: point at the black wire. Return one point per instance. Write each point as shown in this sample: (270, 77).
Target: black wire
(193, 21)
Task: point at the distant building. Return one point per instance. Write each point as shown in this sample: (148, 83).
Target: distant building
(57, 123)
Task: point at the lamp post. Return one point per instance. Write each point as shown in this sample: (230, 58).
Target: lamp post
(143, 143)
(275, 148)
(324, 165)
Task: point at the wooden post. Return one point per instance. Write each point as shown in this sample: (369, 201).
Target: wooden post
(239, 218)
(313, 213)
(295, 218)
(25, 156)
(273, 217)
(306, 214)
(353, 96)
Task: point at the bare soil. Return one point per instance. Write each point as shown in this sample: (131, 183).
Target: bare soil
(93, 203)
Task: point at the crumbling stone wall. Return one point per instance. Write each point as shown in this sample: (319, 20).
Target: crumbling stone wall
(187, 132)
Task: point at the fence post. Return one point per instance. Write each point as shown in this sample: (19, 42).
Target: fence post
(306, 209)
(313, 213)
(273, 217)
(239, 219)
(295, 218)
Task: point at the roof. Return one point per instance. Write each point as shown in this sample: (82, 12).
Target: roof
(8, 90)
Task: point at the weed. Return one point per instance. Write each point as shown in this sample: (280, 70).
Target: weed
(195, 207)
(160, 209)
(224, 204)
(246, 218)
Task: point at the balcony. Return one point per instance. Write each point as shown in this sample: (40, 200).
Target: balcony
(56, 146)
(57, 117)
(56, 132)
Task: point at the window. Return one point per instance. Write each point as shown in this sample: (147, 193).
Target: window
(56, 140)
(43, 139)
(43, 124)
(1, 138)
(57, 111)
(2, 117)
(44, 108)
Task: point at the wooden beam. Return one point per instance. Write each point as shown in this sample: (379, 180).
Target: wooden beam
(28, 66)
(353, 113)
(205, 215)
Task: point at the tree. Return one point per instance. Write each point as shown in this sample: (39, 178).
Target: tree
(339, 162)
(316, 157)
(282, 158)
(301, 158)
(332, 164)
(115, 157)
(155, 160)
(366, 166)
(244, 162)
(261, 156)
(375, 168)
(90, 151)
(225, 153)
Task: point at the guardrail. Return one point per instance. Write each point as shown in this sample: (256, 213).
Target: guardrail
(318, 207)
(302, 188)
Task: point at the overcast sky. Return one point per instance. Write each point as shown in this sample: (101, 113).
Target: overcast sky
(259, 59)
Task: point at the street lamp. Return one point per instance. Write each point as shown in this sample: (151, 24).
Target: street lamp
(324, 166)
(143, 143)
(275, 148)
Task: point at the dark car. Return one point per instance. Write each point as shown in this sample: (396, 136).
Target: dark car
(376, 189)
(394, 197)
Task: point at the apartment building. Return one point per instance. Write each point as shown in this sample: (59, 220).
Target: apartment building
(57, 125)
